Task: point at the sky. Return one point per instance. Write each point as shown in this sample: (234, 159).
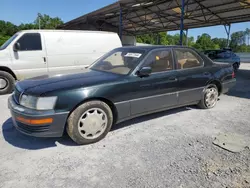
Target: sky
(25, 11)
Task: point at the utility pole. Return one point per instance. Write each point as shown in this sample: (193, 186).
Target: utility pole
(39, 21)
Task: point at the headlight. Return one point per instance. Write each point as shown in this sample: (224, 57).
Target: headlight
(38, 103)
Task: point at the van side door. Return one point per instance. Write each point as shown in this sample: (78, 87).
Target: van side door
(29, 60)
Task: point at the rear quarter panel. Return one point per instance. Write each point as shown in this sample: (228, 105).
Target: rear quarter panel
(222, 72)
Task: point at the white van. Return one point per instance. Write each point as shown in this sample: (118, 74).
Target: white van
(33, 53)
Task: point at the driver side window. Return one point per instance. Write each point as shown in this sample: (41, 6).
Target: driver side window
(30, 42)
(160, 61)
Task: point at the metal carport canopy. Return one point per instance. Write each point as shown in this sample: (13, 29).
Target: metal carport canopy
(135, 17)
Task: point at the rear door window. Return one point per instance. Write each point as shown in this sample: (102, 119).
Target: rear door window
(187, 58)
(30, 42)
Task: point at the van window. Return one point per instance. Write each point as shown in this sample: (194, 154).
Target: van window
(30, 42)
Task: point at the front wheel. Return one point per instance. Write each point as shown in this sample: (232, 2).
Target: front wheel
(7, 82)
(90, 122)
(210, 97)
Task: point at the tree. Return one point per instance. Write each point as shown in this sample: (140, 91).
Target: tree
(46, 22)
(7, 28)
(3, 39)
(247, 34)
(220, 42)
(204, 42)
(26, 26)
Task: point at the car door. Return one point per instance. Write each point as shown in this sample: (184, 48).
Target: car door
(224, 56)
(158, 90)
(192, 75)
(30, 59)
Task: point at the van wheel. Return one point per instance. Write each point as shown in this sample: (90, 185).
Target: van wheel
(7, 82)
(210, 97)
(90, 122)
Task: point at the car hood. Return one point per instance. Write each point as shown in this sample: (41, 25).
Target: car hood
(44, 84)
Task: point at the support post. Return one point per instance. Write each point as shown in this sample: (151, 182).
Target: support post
(39, 20)
(158, 39)
(182, 21)
(120, 21)
(228, 33)
(187, 37)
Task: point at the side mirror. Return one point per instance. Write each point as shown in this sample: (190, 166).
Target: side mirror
(144, 72)
(16, 47)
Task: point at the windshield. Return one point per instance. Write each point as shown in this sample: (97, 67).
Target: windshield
(119, 61)
(6, 44)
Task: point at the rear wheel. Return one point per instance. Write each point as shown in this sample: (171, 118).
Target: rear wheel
(236, 66)
(7, 82)
(90, 122)
(210, 97)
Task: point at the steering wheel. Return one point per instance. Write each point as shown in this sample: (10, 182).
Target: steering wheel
(106, 65)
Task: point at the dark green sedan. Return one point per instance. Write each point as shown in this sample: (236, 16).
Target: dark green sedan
(125, 83)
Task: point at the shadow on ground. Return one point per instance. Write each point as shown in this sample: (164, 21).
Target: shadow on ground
(242, 87)
(150, 117)
(17, 139)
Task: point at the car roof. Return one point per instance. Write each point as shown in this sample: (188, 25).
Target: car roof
(152, 47)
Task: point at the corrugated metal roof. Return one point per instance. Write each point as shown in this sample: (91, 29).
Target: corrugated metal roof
(145, 16)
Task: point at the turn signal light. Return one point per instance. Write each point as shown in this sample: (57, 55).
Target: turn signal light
(34, 121)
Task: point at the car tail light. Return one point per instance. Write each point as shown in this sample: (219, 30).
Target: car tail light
(233, 74)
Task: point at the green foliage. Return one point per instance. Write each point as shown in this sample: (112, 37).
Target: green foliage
(46, 22)
(220, 42)
(3, 39)
(8, 29)
(240, 41)
(163, 38)
(204, 42)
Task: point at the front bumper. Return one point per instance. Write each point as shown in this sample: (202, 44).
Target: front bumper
(54, 129)
(226, 86)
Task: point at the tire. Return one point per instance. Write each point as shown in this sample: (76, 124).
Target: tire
(9, 80)
(204, 103)
(88, 118)
(236, 67)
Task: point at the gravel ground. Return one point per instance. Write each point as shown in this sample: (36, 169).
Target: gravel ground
(168, 149)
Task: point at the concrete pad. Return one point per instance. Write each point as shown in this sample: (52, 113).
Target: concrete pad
(231, 141)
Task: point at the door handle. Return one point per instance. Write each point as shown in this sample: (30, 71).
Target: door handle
(206, 73)
(44, 59)
(173, 79)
